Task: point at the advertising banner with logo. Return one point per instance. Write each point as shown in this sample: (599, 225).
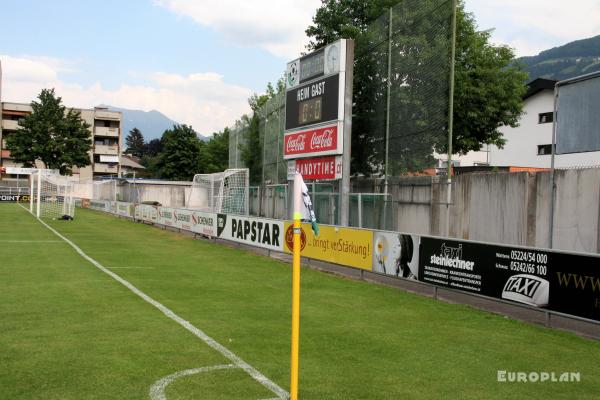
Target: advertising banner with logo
(204, 223)
(183, 218)
(100, 205)
(124, 209)
(265, 233)
(575, 284)
(166, 216)
(13, 198)
(323, 168)
(311, 142)
(146, 212)
(561, 282)
(344, 246)
(396, 254)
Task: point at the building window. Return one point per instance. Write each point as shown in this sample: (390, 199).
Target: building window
(544, 149)
(544, 118)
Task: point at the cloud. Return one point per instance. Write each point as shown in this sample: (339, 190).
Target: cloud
(275, 25)
(203, 100)
(534, 25)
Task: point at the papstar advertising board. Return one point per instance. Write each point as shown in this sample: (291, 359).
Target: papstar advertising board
(396, 254)
(344, 246)
(265, 233)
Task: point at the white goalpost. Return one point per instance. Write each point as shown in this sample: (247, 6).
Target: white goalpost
(221, 192)
(105, 190)
(51, 195)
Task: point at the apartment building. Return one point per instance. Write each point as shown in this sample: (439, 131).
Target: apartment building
(105, 130)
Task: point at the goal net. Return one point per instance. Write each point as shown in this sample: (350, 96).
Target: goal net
(105, 190)
(51, 195)
(221, 192)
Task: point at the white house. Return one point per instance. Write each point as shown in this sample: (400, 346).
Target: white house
(529, 144)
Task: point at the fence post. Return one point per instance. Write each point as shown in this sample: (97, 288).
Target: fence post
(360, 224)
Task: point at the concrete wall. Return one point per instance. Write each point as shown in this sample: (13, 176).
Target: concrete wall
(508, 208)
(514, 208)
(167, 195)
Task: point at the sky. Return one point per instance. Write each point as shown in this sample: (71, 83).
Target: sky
(198, 61)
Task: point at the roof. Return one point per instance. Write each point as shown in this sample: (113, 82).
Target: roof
(130, 162)
(538, 85)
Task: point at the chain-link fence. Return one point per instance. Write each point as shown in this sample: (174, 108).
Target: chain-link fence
(400, 113)
(401, 87)
(401, 96)
(238, 134)
(271, 128)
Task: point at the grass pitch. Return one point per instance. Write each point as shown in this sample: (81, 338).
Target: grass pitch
(70, 331)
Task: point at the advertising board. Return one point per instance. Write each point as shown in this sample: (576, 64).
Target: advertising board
(265, 233)
(322, 168)
(204, 223)
(316, 141)
(146, 212)
(568, 283)
(396, 254)
(167, 217)
(14, 198)
(124, 209)
(344, 246)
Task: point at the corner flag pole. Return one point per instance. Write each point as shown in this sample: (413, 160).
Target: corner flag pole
(296, 287)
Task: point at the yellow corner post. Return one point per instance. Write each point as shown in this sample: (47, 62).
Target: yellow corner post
(296, 289)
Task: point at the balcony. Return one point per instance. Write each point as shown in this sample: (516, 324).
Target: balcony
(105, 114)
(106, 168)
(106, 149)
(104, 131)
(10, 124)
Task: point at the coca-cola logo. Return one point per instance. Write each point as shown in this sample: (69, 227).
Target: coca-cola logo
(296, 144)
(323, 140)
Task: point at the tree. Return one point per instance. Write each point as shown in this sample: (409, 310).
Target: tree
(215, 152)
(153, 147)
(135, 143)
(52, 134)
(251, 149)
(489, 90)
(180, 157)
(487, 94)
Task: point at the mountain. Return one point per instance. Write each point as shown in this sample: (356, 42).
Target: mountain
(152, 124)
(573, 59)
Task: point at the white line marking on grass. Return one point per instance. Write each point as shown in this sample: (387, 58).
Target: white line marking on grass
(30, 241)
(250, 370)
(157, 390)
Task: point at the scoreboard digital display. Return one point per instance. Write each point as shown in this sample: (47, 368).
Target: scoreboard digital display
(313, 103)
(312, 66)
(310, 110)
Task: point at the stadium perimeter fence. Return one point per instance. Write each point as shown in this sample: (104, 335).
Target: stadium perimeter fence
(400, 112)
(401, 96)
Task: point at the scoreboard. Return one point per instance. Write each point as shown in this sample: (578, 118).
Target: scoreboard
(313, 103)
(318, 91)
